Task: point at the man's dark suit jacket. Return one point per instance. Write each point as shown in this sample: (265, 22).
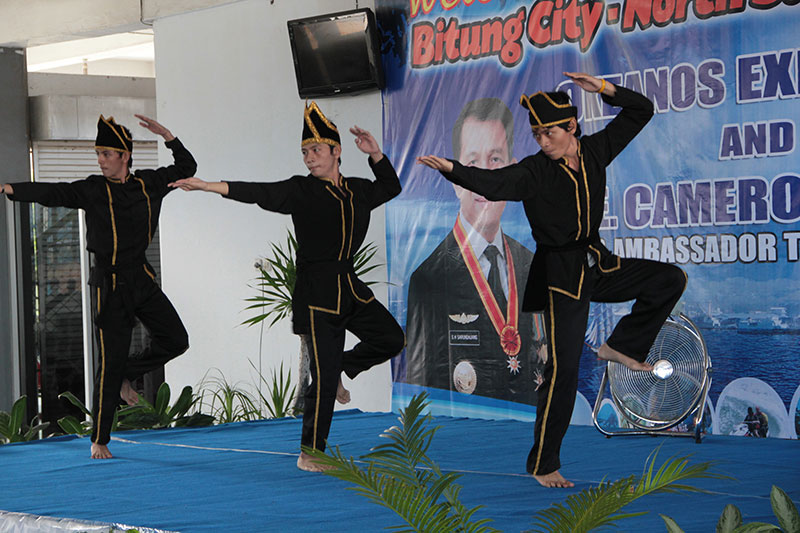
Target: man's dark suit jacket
(447, 324)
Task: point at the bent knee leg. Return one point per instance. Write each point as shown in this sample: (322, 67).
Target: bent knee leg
(669, 279)
(396, 341)
(177, 343)
(676, 278)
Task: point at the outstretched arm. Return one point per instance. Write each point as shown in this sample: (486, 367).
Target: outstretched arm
(436, 163)
(508, 183)
(74, 195)
(196, 184)
(279, 196)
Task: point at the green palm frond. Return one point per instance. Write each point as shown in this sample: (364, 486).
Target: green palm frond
(280, 392)
(400, 476)
(277, 275)
(227, 402)
(362, 260)
(731, 519)
(599, 506)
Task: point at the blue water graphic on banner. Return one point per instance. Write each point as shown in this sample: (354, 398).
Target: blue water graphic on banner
(711, 184)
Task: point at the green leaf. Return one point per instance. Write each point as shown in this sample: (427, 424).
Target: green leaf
(182, 404)
(757, 527)
(784, 509)
(5, 422)
(34, 430)
(17, 416)
(71, 426)
(195, 420)
(71, 398)
(730, 519)
(140, 417)
(162, 399)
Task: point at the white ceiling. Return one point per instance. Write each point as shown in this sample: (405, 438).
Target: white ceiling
(123, 54)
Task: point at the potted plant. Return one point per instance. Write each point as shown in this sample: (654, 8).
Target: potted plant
(273, 302)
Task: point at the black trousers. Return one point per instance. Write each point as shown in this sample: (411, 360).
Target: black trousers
(655, 287)
(381, 339)
(116, 303)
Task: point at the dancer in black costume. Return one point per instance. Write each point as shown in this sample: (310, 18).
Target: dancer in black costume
(122, 210)
(562, 188)
(330, 214)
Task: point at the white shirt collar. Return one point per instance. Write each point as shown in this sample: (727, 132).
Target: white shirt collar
(479, 244)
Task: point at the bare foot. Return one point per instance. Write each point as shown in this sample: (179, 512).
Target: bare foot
(127, 393)
(342, 394)
(554, 480)
(100, 451)
(608, 353)
(309, 464)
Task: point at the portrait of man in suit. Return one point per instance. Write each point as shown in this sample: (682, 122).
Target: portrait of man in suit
(465, 329)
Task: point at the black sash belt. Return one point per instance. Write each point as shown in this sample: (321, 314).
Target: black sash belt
(535, 298)
(322, 267)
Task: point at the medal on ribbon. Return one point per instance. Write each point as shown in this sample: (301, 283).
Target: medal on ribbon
(506, 326)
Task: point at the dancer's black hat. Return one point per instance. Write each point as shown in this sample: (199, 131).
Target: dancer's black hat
(112, 136)
(317, 128)
(543, 111)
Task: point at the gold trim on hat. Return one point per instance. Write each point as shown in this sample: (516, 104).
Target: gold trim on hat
(96, 147)
(552, 102)
(317, 138)
(527, 101)
(113, 126)
(534, 126)
(322, 116)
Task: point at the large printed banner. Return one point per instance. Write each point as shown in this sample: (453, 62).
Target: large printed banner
(711, 184)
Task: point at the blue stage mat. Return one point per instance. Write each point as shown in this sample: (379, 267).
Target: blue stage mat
(242, 477)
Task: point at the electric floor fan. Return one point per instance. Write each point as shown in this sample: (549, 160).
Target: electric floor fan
(675, 390)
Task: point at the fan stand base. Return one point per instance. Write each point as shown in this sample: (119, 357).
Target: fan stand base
(661, 432)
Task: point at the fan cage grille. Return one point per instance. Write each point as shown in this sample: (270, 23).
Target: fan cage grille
(649, 402)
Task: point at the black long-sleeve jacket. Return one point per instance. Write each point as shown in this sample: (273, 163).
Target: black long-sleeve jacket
(564, 207)
(120, 217)
(330, 225)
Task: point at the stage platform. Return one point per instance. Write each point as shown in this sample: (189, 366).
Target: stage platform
(242, 477)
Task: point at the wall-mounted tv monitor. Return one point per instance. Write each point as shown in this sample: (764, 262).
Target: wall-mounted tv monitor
(336, 53)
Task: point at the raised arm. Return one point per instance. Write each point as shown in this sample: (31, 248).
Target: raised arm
(590, 84)
(155, 127)
(367, 144)
(6, 189)
(386, 185)
(184, 164)
(637, 110)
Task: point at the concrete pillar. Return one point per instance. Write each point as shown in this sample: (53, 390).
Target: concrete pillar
(14, 166)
